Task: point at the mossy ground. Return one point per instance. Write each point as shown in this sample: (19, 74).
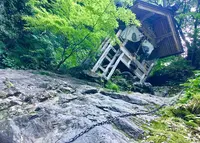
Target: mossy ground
(179, 123)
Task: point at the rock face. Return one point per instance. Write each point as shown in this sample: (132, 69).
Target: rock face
(38, 108)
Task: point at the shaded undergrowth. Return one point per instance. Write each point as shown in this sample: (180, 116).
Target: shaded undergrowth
(179, 123)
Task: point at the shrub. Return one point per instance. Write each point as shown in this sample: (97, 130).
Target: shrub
(172, 70)
(112, 86)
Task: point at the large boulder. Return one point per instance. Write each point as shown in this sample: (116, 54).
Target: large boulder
(48, 109)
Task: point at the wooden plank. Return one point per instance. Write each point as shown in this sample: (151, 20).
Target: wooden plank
(139, 65)
(161, 38)
(147, 16)
(126, 64)
(143, 78)
(148, 72)
(111, 63)
(115, 66)
(109, 41)
(102, 68)
(114, 50)
(174, 33)
(108, 58)
(105, 45)
(118, 33)
(126, 52)
(124, 42)
(138, 73)
(126, 61)
(98, 63)
(151, 9)
(149, 34)
(150, 68)
(106, 50)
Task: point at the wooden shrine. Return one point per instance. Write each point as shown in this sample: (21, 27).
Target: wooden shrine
(140, 47)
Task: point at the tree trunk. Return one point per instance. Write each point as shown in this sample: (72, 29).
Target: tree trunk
(195, 36)
(63, 61)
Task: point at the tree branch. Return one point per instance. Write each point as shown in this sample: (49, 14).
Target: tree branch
(75, 46)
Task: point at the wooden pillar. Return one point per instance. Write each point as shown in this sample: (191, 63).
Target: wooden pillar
(164, 3)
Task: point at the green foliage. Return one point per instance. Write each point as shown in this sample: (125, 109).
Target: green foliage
(188, 20)
(32, 51)
(174, 126)
(192, 88)
(193, 85)
(171, 70)
(123, 83)
(128, 83)
(167, 131)
(22, 49)
(181, 120)
(9, 61)
(82, 23)
(112, 86)
(58, 30)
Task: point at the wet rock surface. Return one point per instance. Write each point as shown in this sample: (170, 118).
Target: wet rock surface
(38, 108)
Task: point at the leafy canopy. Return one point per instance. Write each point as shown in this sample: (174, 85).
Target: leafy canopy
(83, 23)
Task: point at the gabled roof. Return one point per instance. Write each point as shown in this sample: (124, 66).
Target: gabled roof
(158, 25)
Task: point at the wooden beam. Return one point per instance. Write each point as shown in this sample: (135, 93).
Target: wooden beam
(105, 44)
(140, 66)
(149, 34)
(98, 63)
(152, 10)
(161, 38)
(114, 60)
(148, 72)
(164, 12)
(111, 63)
(107, 47)
(175, 36)
(102, 68)
(147, 16)
(126, 61)
(108, 58)
(115, 66)
(107, 41)
(126, 52)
